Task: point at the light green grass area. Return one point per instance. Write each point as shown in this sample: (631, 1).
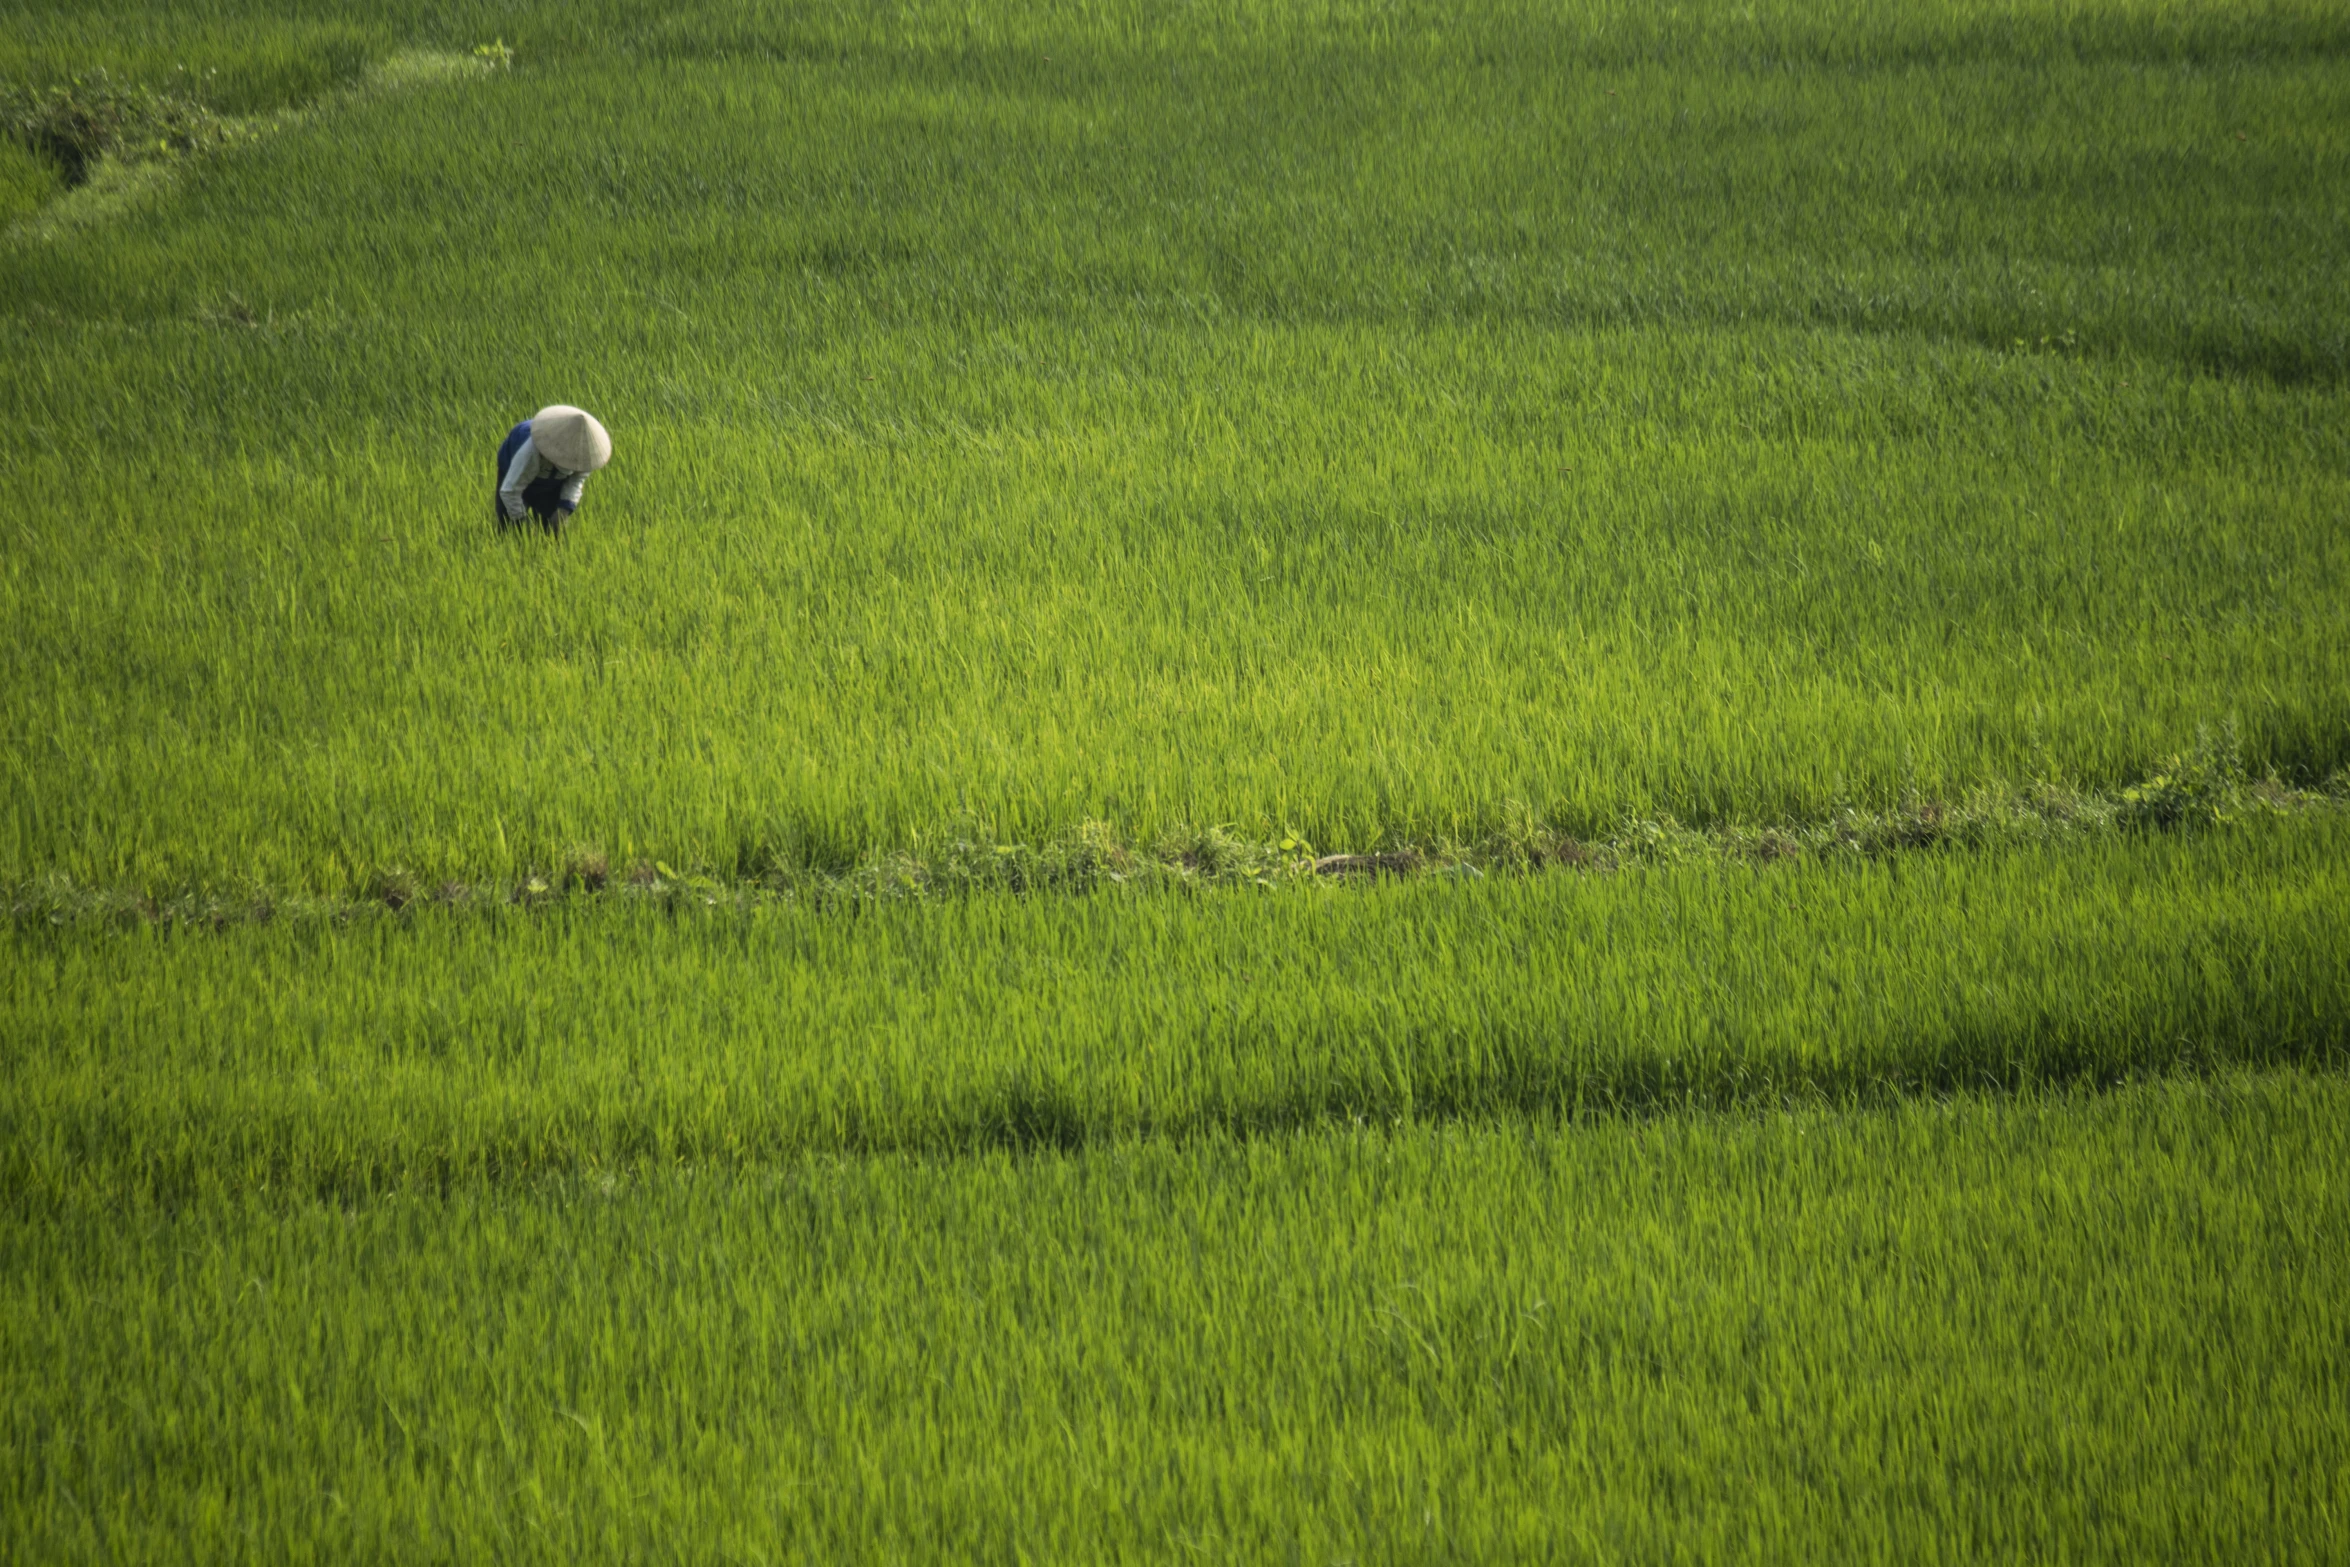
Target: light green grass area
(1364, 424)
(2097, 1329)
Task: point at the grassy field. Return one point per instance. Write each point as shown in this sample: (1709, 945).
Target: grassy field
(798, 1021)
(1368, 427)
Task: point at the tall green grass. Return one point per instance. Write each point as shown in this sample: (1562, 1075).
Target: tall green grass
(1060, 424)
(2095, 1328)
(1364, 423)
(349, 1058)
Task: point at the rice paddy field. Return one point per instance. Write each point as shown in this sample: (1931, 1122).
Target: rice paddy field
(1333, 782)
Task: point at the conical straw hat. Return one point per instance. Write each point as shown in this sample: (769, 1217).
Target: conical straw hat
(570, 438)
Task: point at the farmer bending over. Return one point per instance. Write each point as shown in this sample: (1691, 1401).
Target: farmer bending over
(544, 463)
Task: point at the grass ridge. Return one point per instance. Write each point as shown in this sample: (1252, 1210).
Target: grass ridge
(349, 1059)
(2193, 791)
(115, 175)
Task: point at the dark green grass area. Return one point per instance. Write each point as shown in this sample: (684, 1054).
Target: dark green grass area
(2081, 1327)
(1368, 423)
(353, 1058)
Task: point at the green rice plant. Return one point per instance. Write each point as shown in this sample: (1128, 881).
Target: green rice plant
(2096, 1327)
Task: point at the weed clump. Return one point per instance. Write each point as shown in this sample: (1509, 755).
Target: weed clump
(586, 870)
(392, 887)
(76, 123)
(2197, 789)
